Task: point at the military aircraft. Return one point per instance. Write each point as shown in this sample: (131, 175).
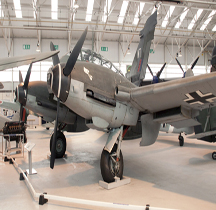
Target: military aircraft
(108, 101)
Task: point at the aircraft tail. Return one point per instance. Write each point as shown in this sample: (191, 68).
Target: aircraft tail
(138, 69)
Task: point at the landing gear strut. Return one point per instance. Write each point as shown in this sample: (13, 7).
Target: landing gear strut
(111, 158)
(181, 140)
(60, 144)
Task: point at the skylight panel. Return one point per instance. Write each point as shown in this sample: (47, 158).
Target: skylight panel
(106, 10)
(17, 7)
(168, 15)
(182, 17)
(1, 11)
(196, 17)
(89, 10)
(34, 8)
(138, 13)
(207, 20)
(54, 9)
(123, 11)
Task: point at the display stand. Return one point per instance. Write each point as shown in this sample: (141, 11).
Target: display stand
(8, 149)
(29, 146)
(116, 183)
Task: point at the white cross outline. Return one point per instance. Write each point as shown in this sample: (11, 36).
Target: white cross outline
(87, 72)
(210, 100)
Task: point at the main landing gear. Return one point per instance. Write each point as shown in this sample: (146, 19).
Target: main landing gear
(111, 158)
(181, 140)
(60, 144)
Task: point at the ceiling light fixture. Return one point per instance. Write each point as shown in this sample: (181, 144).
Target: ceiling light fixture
(122, 11)
(38, 47)
(128, 51)
(76, 6)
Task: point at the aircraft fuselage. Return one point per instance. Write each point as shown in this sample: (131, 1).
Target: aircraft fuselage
(91, 92)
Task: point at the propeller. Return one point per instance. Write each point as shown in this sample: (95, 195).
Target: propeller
(189, 71)
(21, 92)
(61, 84)
(20, 77)
(75, 53)
(156, 78)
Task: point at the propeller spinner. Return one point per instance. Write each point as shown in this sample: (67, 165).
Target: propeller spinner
(21, 90)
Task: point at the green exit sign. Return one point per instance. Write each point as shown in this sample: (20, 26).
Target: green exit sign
(152, 51)
(56, 47)
(26, 46)
(104, 48)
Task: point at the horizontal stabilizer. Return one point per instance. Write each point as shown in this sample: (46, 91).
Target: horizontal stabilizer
(150, 130)
(201, 135)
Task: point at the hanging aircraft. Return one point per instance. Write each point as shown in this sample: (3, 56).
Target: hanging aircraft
(108, 101)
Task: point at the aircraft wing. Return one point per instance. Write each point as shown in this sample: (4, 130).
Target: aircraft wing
(176, 102)
(10, 105)
(12, 62)
(201, 135)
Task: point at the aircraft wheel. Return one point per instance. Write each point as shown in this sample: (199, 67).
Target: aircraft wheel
(110, 165)
(214, 155)
(47, 128)
(181, 141)
(60, 144)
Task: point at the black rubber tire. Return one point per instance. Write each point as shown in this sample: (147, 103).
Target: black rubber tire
(47, 128)
(181, 141)
(214, 155)
(105, 164)
(61, 144)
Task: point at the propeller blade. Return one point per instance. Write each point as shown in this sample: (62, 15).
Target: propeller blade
(53, 149)
(75, 53)
(150, 70)
(20, 77)
(161, 70)
(55, 58)
(27, 77)
(194, 63)
(179, 65)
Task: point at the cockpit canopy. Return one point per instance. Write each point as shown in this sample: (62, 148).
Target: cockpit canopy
(93, 57)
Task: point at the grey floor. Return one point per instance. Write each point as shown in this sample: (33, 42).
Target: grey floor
(162, 175)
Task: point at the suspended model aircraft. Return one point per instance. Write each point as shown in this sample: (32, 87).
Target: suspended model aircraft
(108, 101)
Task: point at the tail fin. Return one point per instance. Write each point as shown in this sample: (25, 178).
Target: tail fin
(140, 61)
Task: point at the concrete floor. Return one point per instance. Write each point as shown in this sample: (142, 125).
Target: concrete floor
(163, 175)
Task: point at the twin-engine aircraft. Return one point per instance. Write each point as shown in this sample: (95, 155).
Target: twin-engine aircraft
(108, 101)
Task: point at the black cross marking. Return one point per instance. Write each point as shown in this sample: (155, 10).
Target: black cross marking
(199, 97)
